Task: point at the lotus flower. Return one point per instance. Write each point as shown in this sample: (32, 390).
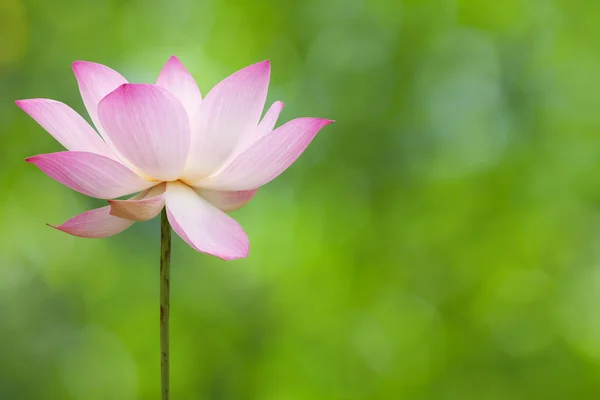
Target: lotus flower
(197, 157)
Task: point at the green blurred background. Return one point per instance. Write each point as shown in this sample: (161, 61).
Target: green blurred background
(440, 241)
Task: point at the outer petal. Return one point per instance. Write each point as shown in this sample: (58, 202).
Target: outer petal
(67, 127)
(177, 80)
(97, 223)
(202, 226)
(91, 174)
(266, 126)
(149, 126)
(142, 209)
(267, 158)
(95, 82)
(227, 201)
(230, 110)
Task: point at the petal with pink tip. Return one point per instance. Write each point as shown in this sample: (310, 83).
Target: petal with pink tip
(95, 82)
(91, 174)
(177, 80)
(65, 125)
(266, 159)
(140, 209)
(230, 110)
(202, 226)
(149, 126)
(265, 126)
(227, 201)
(97, 223)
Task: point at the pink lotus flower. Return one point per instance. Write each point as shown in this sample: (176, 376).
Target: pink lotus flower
(198, 157)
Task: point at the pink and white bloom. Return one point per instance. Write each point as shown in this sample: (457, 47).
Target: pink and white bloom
(198, 157)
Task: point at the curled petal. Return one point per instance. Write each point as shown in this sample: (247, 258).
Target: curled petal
(91, 174)
(202, 226)
(142, 209)
(267, 158)
(149, 126)
(97, 223)
(65, 125)
(230, 110)
(227, 201)
(177, 80)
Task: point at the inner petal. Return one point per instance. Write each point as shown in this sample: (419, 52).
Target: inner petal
(150, 127)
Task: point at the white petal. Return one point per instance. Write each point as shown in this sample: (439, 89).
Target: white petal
(202, 226)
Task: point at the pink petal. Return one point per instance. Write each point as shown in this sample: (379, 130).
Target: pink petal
(97, 223)
(177, 80)
(266, 126)
(227, 201)
(142, 209)
(91, 174)
(68, 127)
(230, 110)
(266, 159)
(149, 126)
(202, 226)
(95, 82)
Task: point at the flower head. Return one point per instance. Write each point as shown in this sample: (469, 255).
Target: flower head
(197, 157)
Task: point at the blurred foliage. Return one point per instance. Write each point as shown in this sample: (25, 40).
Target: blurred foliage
(440, 241)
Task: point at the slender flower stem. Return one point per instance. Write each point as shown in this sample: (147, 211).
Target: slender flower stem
(165, 276)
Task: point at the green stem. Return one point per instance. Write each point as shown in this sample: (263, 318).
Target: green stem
(165, 276)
